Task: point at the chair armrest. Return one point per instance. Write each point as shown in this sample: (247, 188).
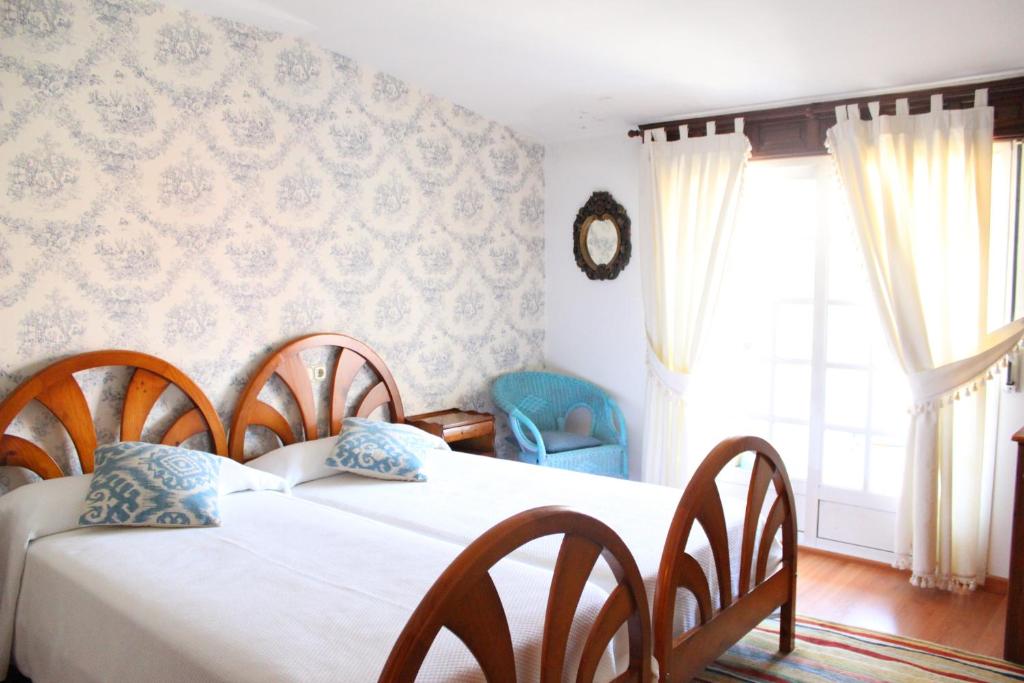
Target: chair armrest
(620, 420)
(517, 419)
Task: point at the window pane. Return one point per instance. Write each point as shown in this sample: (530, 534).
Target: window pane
(846, 397)
(842, 461)
(780, 221)
(792, 391)
(889, 402)
(794, 331)
(760, 393)
(792, 441)
(847, 280)
(848, 340)
(796, 278)
(761, 428)
(885, 473)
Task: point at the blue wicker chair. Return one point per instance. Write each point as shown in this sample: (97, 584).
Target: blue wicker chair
(538, 403)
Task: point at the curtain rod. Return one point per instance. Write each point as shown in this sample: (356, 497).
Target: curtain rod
(799, 130)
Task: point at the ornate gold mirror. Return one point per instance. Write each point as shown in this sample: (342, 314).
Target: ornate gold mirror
(600, 235)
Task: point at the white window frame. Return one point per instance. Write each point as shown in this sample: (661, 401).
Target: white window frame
(873, 513)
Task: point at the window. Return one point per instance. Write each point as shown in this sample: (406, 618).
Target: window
(797, 353)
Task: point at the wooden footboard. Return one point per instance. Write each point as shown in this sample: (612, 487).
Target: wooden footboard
(757, 595)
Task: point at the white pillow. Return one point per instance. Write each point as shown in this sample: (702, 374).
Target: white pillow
(235, 477)
(299, 462)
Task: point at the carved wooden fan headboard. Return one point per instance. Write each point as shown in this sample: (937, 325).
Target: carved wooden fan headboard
(57, 390)
(288, 366)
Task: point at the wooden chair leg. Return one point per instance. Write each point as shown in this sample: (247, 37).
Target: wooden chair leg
(787, 627)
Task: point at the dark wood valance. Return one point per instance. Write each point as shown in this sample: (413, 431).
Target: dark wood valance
(800, 130)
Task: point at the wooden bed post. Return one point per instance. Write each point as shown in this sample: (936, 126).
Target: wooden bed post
(787, 619)
(683, 657)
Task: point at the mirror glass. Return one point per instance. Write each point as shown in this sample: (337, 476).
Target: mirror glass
(602, 241)
(600, 237)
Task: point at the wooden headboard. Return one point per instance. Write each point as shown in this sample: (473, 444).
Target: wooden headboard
(56, 388)
(289, 367)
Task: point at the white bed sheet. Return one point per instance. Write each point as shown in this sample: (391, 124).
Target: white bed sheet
(285, 590)
(467, 494)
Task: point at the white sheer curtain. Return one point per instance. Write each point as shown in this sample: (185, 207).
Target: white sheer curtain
(919, 189)
(690, 213)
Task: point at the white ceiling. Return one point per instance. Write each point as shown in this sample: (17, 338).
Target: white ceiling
(561, 69)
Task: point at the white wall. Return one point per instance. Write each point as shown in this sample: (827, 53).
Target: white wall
(595, 327)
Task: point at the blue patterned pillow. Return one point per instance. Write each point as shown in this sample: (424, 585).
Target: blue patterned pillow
(144, 484)
(382, 450)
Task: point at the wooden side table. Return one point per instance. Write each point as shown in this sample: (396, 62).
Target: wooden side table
(468, 430)
(1013, 643)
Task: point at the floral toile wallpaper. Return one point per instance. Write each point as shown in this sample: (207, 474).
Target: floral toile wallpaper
(202, 190)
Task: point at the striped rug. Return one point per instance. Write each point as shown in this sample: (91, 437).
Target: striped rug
(831, 652)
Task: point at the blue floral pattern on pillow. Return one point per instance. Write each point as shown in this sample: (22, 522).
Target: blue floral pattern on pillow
(382, 450)
(144, 484)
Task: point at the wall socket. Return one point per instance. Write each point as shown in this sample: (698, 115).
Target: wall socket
(318, 373)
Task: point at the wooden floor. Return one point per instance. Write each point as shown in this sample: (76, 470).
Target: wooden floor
(879, 598)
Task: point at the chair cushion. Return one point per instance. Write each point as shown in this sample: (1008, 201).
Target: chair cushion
(559, 442)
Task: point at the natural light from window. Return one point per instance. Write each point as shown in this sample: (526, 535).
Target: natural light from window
(798, 354)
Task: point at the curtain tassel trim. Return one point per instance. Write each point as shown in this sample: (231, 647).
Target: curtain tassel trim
(971, 386)
(945, 582)
(929, 393)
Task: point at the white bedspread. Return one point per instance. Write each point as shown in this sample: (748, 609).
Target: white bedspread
(285, 590)
(467, 494)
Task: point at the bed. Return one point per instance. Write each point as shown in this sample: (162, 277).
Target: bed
(284, 590)
(712, 565)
